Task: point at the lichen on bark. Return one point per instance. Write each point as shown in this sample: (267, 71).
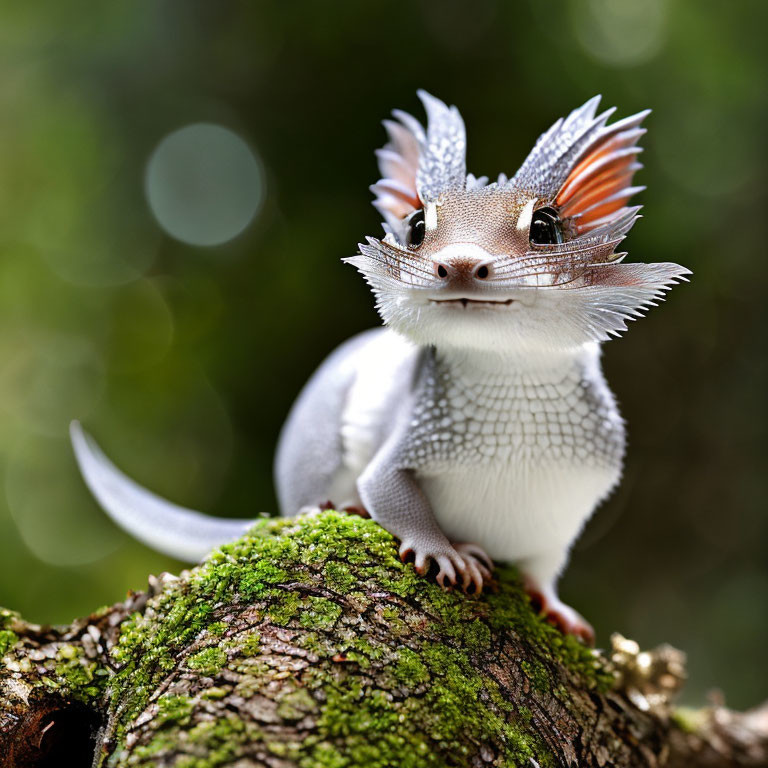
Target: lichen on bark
(369, 662)
(308, 643)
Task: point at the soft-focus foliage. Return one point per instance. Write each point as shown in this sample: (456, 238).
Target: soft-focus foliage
(183, 360)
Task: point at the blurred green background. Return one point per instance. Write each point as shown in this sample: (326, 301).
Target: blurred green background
(183, 357)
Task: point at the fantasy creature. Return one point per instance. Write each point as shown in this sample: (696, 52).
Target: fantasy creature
(477, 425)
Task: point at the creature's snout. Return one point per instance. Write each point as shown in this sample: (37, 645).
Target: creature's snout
(458, 266)
(462, 270)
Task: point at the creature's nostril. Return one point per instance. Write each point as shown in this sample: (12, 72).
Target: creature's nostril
(482, 272)
(441, 271)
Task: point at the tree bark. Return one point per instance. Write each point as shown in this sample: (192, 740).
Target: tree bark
(308, 643)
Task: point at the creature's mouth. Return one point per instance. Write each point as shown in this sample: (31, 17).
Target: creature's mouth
(465, 302)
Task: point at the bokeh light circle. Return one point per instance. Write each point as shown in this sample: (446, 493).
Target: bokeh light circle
(38, 484)
(620, 32)
(204, 184)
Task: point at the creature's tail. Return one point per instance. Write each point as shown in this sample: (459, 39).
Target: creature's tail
(170, 529)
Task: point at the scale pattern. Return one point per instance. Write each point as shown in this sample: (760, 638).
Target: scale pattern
(564, 414)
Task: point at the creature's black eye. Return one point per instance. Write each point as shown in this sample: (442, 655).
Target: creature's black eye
(545, 227)
(416, 228)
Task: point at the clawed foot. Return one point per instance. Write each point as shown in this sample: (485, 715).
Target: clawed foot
(464, 562)
(557, 613)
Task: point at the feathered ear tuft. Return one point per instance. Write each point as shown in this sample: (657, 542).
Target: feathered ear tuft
(418, 165)
(551, 159)
(585, 167)
(600, 184)
(442, 163)
(396, 194)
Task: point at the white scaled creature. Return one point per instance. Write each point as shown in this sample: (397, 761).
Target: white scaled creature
(477, 425)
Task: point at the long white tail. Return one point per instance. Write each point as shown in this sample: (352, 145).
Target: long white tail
(168, 528)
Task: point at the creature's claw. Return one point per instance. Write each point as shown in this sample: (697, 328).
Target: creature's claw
(560, 615)
(479, 564)
(357, 510)
(570, 622)
(447, 571)
(478, 553)
(464, 562)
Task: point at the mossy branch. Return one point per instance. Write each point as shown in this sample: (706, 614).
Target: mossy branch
(308, 643)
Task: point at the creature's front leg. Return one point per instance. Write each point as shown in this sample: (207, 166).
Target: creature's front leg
(394, 499)
(540, 579)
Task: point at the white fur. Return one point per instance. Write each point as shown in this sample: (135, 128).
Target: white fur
(517, 451)
(520, 494)
(379, 365)
(518, 510)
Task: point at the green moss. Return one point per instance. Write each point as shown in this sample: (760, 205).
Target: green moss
(375, 730)
(7, 618)
(208, 662)
(257, 582)
(248, 643)
(537, 673)
(284, 607)
(310, 641)
(163, 741)
(390, 612)
(410, 670)
(319, 613)
(81, 678)
(295, 704)
(363, 651)
(311, 575)
(7, 640)
(339, 576)
(217, 629)
(174, 708)
(214, 693)
(476, 635)
(510, 607)
(220, 739)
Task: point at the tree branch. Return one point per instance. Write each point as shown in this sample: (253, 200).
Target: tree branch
(308, 643)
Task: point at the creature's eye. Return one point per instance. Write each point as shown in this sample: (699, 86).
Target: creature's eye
(545, 227)
(416, 228)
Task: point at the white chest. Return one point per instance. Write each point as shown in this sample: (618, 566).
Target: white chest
(517, 510)
(518, 460)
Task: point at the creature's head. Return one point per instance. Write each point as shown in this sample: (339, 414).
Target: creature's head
(526, 262)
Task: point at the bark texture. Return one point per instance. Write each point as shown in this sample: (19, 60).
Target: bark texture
(308, 643)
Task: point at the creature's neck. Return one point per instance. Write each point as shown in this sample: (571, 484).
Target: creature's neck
(535, 365)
